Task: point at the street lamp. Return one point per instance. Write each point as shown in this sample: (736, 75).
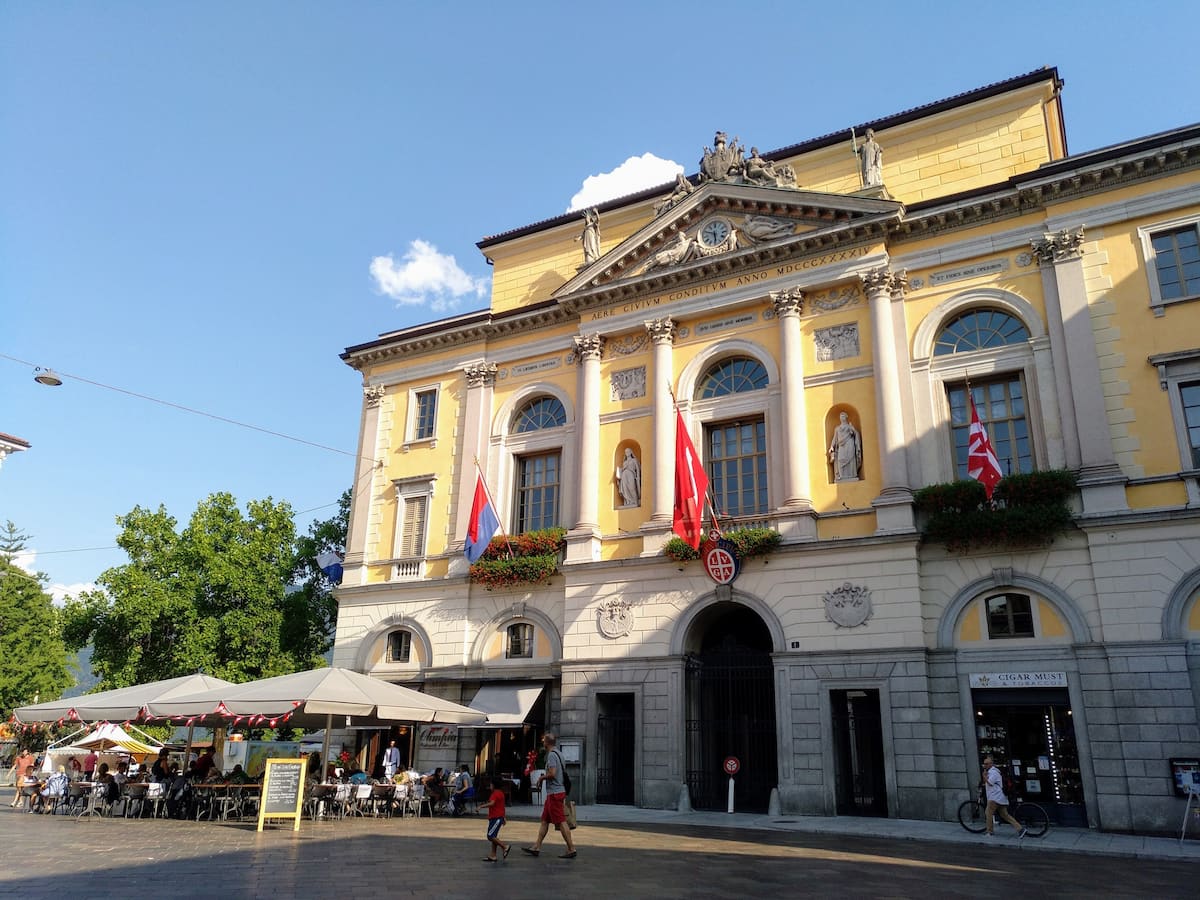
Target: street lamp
(46, 377)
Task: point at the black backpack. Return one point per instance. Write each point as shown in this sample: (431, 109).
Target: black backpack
(112, 792)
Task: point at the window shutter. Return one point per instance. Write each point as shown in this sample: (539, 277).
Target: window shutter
(412, 541)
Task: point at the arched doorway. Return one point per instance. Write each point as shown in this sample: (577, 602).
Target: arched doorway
(730, 703)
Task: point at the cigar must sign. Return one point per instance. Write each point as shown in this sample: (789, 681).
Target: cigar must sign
(1018, 679)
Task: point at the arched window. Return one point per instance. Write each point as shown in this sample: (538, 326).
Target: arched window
(980, 329)
(543, 412)
(735, 375)
(399, 646)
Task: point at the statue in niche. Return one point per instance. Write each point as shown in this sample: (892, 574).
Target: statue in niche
(845, 450)
(590, 236)
(870, 160)
(629, 480)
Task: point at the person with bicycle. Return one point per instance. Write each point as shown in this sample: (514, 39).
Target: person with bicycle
(997, 802)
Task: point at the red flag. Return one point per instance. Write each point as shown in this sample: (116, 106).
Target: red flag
(691, 486)
(982, 464)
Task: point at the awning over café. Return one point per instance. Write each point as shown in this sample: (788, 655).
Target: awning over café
(506, 704)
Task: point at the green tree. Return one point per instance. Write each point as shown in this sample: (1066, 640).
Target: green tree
(33, 659)
(211, 597)
(312, 607)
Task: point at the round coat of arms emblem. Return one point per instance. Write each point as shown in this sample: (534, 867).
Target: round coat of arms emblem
(615, 618)
(720, 560)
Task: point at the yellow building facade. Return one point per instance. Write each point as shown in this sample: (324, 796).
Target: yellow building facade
(819, 316)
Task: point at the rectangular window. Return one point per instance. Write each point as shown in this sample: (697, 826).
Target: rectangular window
(412, 527)
(520, 642)
(1000, 403)
(538, 481)
(1009, 616)
(426, 415)
(1177, 262)
(399, 648)
(1189, 396)
(737, 466)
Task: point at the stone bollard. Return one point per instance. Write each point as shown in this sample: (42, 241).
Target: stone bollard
(773, 803)
(685, 799)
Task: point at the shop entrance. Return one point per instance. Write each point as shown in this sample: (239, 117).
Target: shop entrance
(858, 753)
(730, 697)
(1030, 733)
(614, 748)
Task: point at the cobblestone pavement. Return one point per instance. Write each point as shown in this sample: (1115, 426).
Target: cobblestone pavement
(56, 856)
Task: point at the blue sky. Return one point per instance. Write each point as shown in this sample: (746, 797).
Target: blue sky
(207, 202)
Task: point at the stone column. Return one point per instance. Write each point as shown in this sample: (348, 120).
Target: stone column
(657, 531)
(798, 520)
(583, 541)
(1101, 480)
(893, 506)
(477, 413)
(354, 569)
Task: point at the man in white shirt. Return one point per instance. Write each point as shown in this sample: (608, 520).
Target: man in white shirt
(996, 799)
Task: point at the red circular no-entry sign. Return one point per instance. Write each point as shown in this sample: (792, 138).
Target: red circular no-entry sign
(731, 765)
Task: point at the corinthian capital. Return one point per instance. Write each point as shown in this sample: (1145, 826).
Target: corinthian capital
(883, 282)
(589, 346)
(373, 394)
(789, 302)
(1058, 246)
(481, 375)
(661, 331)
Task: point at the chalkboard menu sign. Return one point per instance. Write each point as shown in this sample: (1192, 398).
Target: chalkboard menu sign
(282, 791)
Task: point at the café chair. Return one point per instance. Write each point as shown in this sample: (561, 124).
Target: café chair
(418, 800)
(535, 789)
(381, 799)
(135, 792)
(77, 797)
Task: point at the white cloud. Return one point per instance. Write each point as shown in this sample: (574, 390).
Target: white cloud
(26, 560)
(635, 174)
(425, 276)
(64, 592)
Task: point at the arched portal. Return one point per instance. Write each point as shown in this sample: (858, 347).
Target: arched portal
(730, 699)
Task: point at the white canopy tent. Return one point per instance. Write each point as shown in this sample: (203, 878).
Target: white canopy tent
(312, 699)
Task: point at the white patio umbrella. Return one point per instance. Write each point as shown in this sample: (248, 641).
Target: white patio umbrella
(117, 705)
(313, 698)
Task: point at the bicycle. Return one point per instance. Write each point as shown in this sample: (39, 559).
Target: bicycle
(972, 815)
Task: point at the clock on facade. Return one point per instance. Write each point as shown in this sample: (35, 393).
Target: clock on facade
(714, 232)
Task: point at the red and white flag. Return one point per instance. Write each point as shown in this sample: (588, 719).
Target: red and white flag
(691, 486)
(982, 464)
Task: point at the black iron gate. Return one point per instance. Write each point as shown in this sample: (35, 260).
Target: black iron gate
(615, 749)
(730, 712)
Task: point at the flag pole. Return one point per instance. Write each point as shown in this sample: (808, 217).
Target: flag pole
(488, 491)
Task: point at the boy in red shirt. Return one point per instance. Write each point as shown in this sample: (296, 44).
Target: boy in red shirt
(495, 808)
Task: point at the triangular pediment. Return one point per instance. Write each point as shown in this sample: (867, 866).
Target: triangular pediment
(735, 225)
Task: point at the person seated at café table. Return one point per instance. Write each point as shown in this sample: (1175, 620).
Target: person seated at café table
(56, 786)
(160, 771)
(203, 765)
(239, 776)
(435, 788)
(357, 776)
(30, 789)
(121, 776)
(463, 791)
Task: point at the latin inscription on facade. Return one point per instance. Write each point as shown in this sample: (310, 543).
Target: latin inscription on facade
(987, 268)
(714, 287)
(726, 323)
(540, 366)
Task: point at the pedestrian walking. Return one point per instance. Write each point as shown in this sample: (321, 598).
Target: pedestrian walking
(554, 809)
(997, 801)
(495, 811)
